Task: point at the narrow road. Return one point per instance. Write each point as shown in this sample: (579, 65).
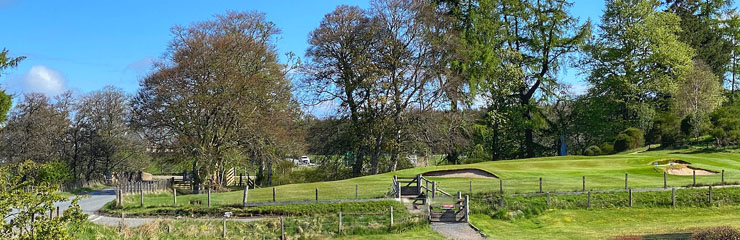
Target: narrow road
(92, 202)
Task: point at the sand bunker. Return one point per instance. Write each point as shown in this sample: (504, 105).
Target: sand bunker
(684, 170)
(460, 173)
(669, 162)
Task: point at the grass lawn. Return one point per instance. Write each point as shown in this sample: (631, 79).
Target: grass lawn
(559, 174)
(606, 223)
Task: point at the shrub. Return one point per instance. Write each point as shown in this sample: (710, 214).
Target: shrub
(592, 151)
(606, 148)
(722, 232)
(630, 138)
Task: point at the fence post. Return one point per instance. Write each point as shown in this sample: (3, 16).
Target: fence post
(119, 195)
(398, 187)
(459, 195)
(273, 194)
(340, 222)
(174, 196)
(391, 226)
(471, 188)
(223, 234)
(589, 200)
(626, 175)
(502, 201)
(241, 179)
(209, 196)
(141, 195)
(630, 196)
(501, 186)
(57, 211)
(244, 195)
(584, 184)
(694, 173)
(547, 199)
(467, 208)
(710, 194)
(317, 194)
(282, 228)
(434, 189)
(723, 177)
(665, 180)
(540, 185)
(356, 191)
(418, 184)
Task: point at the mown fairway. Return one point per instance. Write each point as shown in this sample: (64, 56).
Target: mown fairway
(559, 174)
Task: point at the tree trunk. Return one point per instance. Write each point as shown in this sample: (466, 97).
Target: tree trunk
(196, 178)
(269, 172)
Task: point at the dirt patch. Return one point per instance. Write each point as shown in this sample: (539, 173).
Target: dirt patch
(684, 170)
(460, 173)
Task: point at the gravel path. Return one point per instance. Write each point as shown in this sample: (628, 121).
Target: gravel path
(457, 231)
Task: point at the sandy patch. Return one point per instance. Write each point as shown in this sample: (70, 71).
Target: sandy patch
(460, 173)
(684, 170)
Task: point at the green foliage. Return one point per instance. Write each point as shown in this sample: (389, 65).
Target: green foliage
(726, 124)
(630, 138)
(592, 151)
(607, 148)
(33, 199)
(721, 232)
(55, 172)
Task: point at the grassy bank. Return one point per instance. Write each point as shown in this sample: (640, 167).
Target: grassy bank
(607, 223)
(296, 228)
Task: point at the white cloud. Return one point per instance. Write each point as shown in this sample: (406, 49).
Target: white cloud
(44, 80)
(140, 66)
(580, 89)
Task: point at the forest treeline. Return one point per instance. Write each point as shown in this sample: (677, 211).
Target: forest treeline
(471, 80)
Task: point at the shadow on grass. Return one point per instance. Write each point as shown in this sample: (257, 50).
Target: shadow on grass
(669, 236)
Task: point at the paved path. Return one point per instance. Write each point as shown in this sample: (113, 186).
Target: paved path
(457, 231)
(92, 202)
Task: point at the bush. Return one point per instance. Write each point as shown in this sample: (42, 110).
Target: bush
(722, 232)
(592, 151)
(607, 148)
(55, 172)
(630, 138)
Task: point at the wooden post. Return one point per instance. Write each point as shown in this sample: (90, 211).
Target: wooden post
(398, 186)
(241, 180)
(626, 175)
(673, 197)
(501, 186)
(502, 201)
(209, 196)
(223, 234)
(540, 185)
(459, 195)
(244, 195)
(120, 196)
(723, 177)
(471, 188)
(665, 180)
(51, 213)
(710, 194)
(174, 196)
(584, 184)
(340, 222)
(273, 194)
(57, 211)
(141, 196)
(282, 228)
(694, 173)
(317, 194)
(467, 208)
(434, 189)
(391, 226)
(547, 198)
(630, 196)
(589, 200)
(356, 191)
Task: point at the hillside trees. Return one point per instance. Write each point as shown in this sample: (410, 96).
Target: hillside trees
(636, 61)
(220, 92)
(698, 96)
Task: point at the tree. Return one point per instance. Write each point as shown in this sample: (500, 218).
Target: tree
(6, 101)
(35, 129)
(732, 30)
(698, 95)
(26, 201)
(637, 59)
(220, 90)
(342, 68)
(514, 51)
(702, 31)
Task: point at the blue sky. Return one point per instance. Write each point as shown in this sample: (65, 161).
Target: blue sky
(86, 45)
